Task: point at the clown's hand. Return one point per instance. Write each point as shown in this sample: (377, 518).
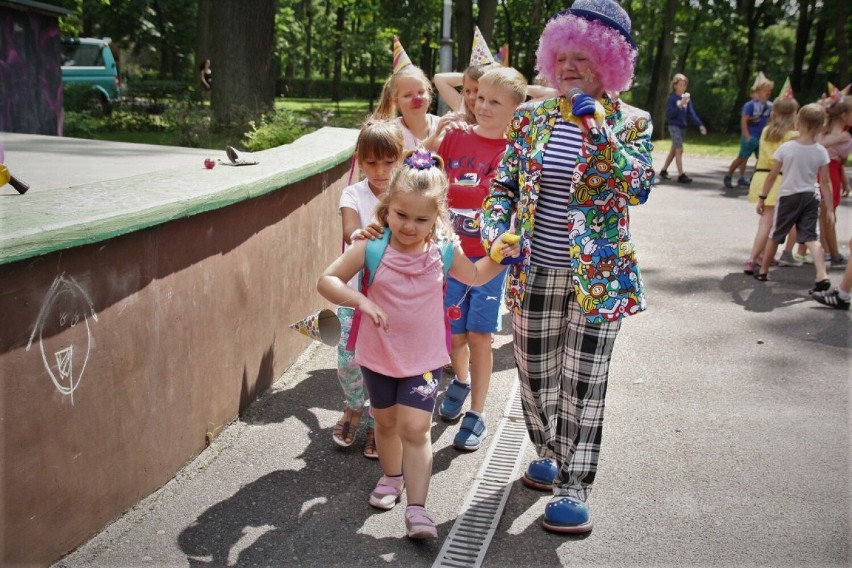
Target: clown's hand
(506, 249)
(583, 105)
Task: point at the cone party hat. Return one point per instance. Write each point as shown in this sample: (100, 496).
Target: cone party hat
(401, 60)
(479, 52)
(786, 90)
(322, 326)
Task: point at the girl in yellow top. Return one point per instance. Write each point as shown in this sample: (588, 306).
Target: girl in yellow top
(780, 128)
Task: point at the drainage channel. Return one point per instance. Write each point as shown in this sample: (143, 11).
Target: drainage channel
(474, 528)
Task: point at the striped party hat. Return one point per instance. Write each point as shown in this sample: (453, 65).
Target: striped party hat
(400, 58)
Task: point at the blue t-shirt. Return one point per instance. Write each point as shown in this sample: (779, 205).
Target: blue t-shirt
(758, 115)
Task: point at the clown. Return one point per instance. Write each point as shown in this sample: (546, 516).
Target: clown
(573, 166)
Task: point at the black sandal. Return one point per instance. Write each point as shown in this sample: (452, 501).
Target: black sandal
(761, 277)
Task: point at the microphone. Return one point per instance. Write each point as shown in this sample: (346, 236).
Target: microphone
(587, 121)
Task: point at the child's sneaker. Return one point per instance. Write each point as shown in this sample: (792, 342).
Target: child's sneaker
(387, 492)
(418, 523)
(743, 182)
(664, 174)
(806, 258)
(832, 299)
(683, 178)
(727, 181)
(838, 263)
(821, 286)
(451, 406)
(788, 258)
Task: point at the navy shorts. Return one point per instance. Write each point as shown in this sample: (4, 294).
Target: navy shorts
(419, 391)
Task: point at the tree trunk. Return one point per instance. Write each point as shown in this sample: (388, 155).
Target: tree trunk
(485, 21)
(532, 42)
(464, 32)
(309, 27)
(751, 20)
(816, 56)
(336, 89)
(243, 43)
(840, 22)
(202, 39)
(657, 92)
(803, 29)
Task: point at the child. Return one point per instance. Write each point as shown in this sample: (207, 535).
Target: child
(472, 157)
(401, 344)
(409, 93)
(780, 129)
(839, 298)
(679, 112)
(753, 118)
(378, 150)
(481, 61)
(798, 205)
(838, 142)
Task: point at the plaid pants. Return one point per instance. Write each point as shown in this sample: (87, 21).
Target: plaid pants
(563, 365)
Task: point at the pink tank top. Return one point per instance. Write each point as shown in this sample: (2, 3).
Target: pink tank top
(410, 289)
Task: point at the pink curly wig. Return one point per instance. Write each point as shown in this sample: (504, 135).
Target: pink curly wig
(613, 57)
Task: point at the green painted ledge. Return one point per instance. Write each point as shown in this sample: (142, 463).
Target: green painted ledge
(59, 219)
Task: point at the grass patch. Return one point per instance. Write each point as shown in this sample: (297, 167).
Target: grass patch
(711, 146)
(324, 112)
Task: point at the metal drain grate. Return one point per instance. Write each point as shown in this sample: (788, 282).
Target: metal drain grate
(474, 528)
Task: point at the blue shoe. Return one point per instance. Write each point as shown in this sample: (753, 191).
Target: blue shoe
(744, 182)
(564, 515)
(471, 433)
(540, 474)
(451, 406)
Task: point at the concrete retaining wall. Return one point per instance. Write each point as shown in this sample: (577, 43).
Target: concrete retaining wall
(123, 352)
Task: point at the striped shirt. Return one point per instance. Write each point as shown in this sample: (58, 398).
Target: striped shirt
(550, 239)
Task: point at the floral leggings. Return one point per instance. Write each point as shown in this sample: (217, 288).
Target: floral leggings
(349, 373)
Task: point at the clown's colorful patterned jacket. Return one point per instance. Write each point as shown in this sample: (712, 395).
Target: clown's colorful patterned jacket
(613, 170)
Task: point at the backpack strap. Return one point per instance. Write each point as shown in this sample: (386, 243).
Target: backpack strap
(372, 258)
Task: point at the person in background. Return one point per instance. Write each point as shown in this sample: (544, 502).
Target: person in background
(838, 142)
(406, 98)
(481, 60)
(679, 113)
(803, 161)
(378, 151)
(780, 129)
(205, 76)
(754, 116)
(572, 168)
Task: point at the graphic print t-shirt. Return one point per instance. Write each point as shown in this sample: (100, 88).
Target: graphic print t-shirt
(471, 162)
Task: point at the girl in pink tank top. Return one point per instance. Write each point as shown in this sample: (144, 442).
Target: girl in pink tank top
(401, 344)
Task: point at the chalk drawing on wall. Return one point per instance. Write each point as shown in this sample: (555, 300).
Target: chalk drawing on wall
(63, 333)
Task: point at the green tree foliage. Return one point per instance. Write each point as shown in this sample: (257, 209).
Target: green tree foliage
(719, 44)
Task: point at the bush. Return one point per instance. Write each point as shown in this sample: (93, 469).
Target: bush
(273, 129)
(191, 124)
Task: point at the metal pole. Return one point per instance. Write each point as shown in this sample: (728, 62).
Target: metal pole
(446, 49)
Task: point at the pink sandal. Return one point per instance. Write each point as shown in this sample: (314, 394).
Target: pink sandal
(387, 492)
(418, 523)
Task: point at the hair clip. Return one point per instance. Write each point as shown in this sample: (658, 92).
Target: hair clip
(420, 160)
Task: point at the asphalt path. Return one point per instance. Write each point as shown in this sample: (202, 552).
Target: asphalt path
(726, 441)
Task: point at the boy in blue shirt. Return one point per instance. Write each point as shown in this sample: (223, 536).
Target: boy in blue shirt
(753, 118)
